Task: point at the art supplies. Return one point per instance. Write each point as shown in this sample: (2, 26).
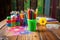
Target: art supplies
(36, 12)
(9, 21)
(32, 25)
(31, 14)
(8, 18)
(28, 12)
(31, 20)
(21, 20)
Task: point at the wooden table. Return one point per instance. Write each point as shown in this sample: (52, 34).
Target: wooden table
(38, 35)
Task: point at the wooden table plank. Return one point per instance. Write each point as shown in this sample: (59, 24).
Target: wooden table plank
(12, 37)
(3, 31)
(51, 35)
(32, 36)
(23, 37)
(2, 23)
(56, 32)
(43, 37)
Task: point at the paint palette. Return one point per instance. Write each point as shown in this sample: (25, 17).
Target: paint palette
(18, 30)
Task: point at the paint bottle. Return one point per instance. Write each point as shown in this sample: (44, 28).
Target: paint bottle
(18, 21)
(8, 24)
(9, 21)
(8, 18)
(25, 19)
(13, 21)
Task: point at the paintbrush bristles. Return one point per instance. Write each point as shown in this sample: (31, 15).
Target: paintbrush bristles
(31, 14)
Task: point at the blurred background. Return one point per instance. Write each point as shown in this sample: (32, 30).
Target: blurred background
(6, 7)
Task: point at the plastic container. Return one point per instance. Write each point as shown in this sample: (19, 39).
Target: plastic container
(32, 25)
(13, 24)
(8, 21)
(9, 24)
(17, 23)
(8, 18)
